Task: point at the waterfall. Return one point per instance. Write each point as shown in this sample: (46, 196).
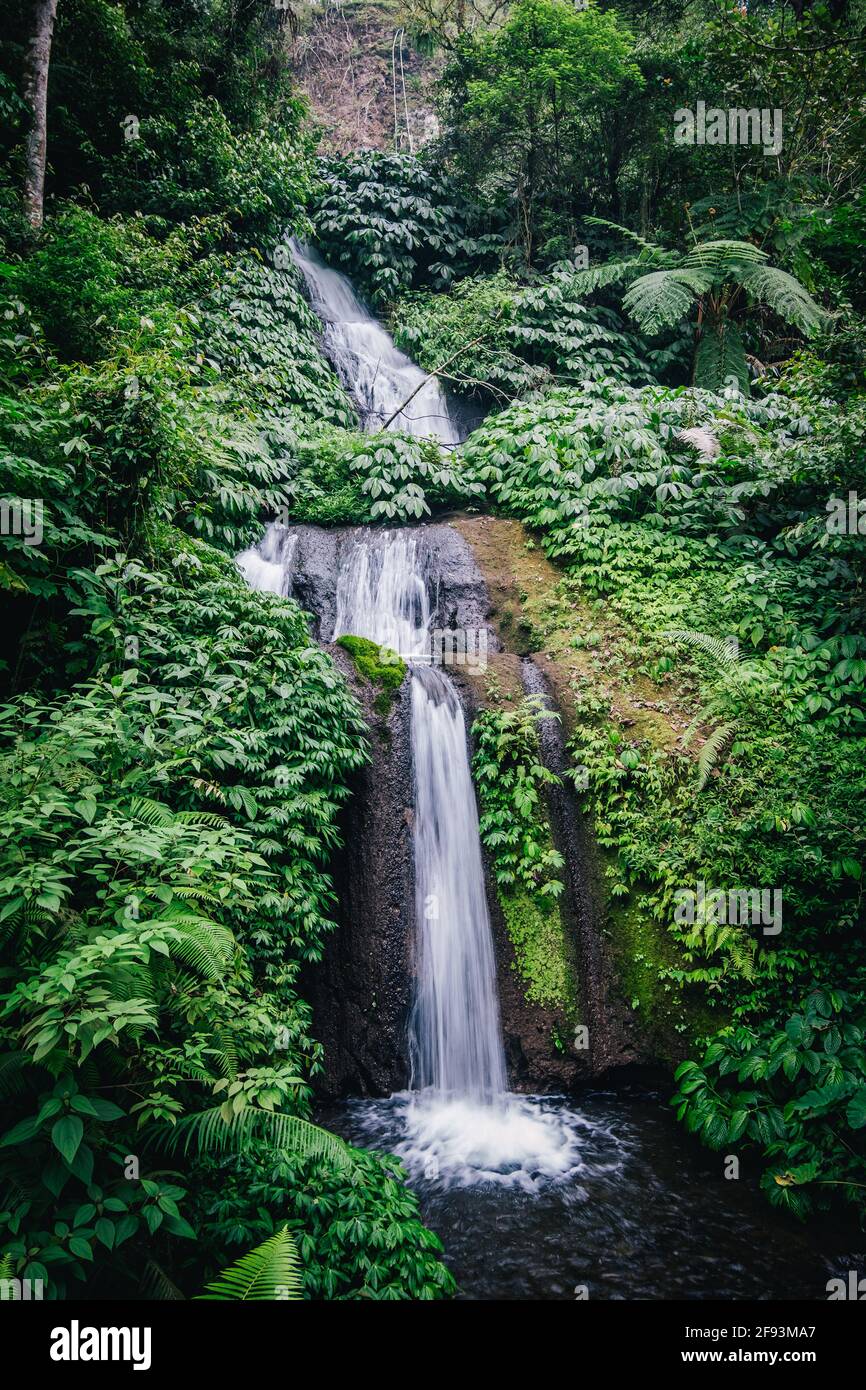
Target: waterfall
(377, 375)
(382, 593)
(268, 566)
(455, 1041)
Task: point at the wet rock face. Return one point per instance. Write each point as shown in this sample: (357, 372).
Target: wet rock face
(315, 566)
(361, 992)
(457, 591)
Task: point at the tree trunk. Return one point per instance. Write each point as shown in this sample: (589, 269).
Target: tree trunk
(36, 96)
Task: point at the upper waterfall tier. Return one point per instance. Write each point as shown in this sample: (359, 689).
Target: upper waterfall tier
(383, 381)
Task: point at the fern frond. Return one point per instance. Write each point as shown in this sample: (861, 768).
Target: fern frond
(211, 1132)
(271, 1271)
(664, 297)
(610, 273)
(156, 1284)
(721, 651)
(211, 820)
(725, 259)
(12, 1072)
(713, 751)
(153, 813)
(790, 300)
(627, 234)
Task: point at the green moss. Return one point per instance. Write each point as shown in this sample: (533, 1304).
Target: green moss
(379, 665)
(669, 1018)
(536, 932)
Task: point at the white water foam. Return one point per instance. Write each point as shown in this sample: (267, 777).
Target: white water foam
(268, 566)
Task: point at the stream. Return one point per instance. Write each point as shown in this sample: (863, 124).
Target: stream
(534, 1197)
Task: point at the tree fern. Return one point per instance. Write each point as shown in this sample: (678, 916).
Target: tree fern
(271, 1271)
(664, 297)
(790, 300)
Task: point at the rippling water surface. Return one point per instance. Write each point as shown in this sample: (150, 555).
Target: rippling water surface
(606, 1192)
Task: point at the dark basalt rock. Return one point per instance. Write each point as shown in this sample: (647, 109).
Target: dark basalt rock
(315, 566)
(361, 992)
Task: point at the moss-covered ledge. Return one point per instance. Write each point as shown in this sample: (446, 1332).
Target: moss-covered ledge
(379, 665)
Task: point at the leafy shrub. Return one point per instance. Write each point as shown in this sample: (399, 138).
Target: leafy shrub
(614, 451)
(90, 281)
(358, 1233)
(492, 336)
(343, 477)
(391, 224)
(797, 1091)
(257, 181)
(510, 777)
(166, 832)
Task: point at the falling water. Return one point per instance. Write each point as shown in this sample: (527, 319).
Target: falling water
(455, 1040)
(268, 566)
(379, 377)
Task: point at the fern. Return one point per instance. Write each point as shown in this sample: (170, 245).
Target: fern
(713, 750)
(151, 812)
(722, 652)
(211, 1131)
(664, 297)
(271, 1271)
(720, 356)
(786, 296)
(724, 257)
(157, 1284)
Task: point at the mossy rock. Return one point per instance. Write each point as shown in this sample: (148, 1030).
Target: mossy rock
(541, 954)
(671, 1018)
(379, 665)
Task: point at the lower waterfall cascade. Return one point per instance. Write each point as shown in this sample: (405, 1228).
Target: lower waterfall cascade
(460, 1121)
